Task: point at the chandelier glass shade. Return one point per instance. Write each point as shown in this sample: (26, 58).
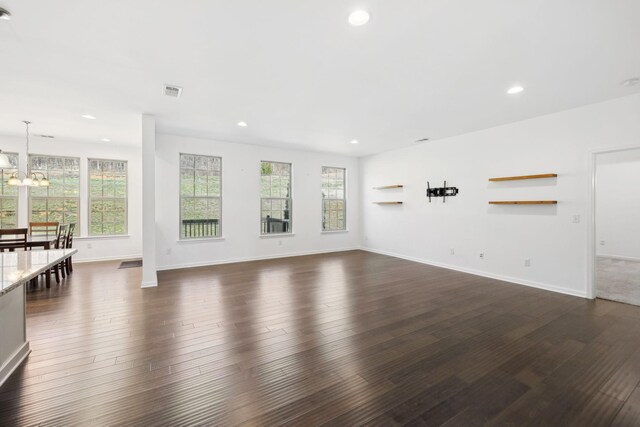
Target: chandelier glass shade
(36, 179)
(33, 179)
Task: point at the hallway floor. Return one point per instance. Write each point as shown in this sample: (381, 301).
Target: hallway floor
(618, 280)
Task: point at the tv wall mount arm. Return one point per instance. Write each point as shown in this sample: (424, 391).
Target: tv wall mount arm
(443, 192)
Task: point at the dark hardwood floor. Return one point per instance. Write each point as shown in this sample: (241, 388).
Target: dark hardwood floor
(343, 339)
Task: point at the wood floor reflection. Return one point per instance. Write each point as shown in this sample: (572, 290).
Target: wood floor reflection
(350, 339)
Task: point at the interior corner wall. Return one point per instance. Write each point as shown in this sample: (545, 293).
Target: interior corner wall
(467, 225)
(618, 205)
(89, 248)
(241, 204)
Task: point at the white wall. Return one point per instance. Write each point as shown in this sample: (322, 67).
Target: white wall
(241, 204)
(618, 205)
(557, 247)
(89, 248)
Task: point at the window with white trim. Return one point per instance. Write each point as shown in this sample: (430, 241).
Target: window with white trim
(334, 204)
(60, 201)
(275, 198)
(107, 197)
(9, 195)
(200, 196)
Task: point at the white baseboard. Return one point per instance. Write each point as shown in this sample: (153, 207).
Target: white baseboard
(108, 258)
(14, 361)
(257, 258)
(514, 280)
(621, 257)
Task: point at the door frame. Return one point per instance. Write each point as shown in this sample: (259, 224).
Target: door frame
(591, 216)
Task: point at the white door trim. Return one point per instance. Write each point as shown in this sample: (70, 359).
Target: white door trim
(591, 215)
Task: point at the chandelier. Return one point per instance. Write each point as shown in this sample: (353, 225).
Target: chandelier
(34, 179)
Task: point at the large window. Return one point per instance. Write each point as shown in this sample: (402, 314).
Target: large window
(200, 196)
(334, 206)
(9, 195)
(275, 197)
(107, 197)
(60, 201)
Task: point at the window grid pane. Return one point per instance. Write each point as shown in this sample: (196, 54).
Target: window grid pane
(275, 198)
(9, 195)
(334, 207)
(61, 200)
(107, 197)
(200, 196)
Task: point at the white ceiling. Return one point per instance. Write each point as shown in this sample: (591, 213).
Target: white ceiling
(300, 75)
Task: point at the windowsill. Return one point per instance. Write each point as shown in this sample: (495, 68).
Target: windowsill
(201, 240)
(106, 237)
(274, 235)
(334, 231)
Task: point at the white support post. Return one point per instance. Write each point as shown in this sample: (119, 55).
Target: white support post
(149, 273)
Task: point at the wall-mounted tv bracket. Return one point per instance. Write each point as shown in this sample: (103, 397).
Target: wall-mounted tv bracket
(443, 192)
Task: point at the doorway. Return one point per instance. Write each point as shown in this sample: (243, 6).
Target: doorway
(617, 225)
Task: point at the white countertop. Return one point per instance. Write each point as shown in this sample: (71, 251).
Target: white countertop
(19, 267)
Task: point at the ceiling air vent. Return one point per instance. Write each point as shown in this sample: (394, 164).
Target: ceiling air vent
(46, 136)
(172, 91)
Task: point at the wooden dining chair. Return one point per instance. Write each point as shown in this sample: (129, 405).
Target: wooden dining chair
(68, 265)
(12, 239)
(60, 244)
(43, 228)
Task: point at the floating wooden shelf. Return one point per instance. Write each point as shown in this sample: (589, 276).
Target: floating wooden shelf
(387, 203)
(386, 187)
(524, 202)
(517, 178)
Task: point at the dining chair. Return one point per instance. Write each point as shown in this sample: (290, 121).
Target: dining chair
(12, 239)
(68, 265)
(60, 244)
(43, 228)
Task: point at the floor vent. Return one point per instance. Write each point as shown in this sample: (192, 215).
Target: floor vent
(130, 264)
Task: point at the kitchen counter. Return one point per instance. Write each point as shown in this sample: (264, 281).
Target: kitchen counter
(17, 269)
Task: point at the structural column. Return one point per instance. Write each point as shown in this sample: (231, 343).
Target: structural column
(149, 273)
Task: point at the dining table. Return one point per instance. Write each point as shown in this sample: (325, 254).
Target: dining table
(41, 241)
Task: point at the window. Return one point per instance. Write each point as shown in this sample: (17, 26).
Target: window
(275, 197)
(107, 197)
(334, 207)
(60, 201)
(9, 195)
(200, 196)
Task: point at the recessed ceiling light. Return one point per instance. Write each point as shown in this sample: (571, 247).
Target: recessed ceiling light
(88, 116)
(5, 14)
(354, 141)
(243, 124)
(634, 81)
(515, 89)
(105, 140)
(359, 17)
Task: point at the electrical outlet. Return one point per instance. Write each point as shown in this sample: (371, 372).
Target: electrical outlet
(279, 242)
(576, 219)
(453, 251)
(602, 243)
(527, 262)
(481, 255)
(89, 246)
(169, 251)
